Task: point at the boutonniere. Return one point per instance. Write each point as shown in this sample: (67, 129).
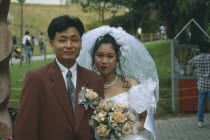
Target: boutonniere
(88, 97)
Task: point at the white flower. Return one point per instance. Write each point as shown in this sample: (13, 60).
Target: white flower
(91, 95)
(88, 98)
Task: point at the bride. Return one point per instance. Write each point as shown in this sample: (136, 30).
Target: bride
(129, 73)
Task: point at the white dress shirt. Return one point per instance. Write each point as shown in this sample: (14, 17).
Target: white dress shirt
(26, 37)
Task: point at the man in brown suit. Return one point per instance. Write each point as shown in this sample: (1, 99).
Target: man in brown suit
(49, 108)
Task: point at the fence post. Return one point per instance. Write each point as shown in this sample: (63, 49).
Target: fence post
(150, 36)
(45, 52)
(142, 38)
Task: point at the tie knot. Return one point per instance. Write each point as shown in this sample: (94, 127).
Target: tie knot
(69, 74)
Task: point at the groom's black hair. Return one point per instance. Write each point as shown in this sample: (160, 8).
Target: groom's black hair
(61, 23)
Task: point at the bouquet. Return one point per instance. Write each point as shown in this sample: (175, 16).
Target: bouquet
(112, 120)
(88, 97)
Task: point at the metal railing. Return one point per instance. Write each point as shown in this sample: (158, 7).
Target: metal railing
(151, 37)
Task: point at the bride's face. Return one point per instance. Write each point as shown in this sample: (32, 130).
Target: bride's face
(105, 59)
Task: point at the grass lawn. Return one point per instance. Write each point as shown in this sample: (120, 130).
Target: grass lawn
(36, 50)
(160, 52)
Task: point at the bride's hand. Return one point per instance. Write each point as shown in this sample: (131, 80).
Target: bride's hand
(137, 127)
(140, 127)
(142, 119)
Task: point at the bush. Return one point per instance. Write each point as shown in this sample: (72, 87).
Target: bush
(123, 21)
(208, 30)
(148, 25)
(93, 25)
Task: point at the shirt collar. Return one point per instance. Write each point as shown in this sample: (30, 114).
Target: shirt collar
(64, 70)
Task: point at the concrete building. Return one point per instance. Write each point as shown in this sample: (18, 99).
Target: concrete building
(47, 2)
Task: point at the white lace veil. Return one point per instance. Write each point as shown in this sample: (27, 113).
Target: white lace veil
(137, 64)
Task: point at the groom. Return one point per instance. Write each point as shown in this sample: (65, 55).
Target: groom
(48, 108)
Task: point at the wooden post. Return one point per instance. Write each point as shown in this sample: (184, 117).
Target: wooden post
(142, 38)
(21, 29)
(45, 51)
(5, 81)
(150, 36)
(174, 84)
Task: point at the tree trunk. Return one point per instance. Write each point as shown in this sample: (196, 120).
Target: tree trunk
(5, 53)
(102, 12)
(99, 11)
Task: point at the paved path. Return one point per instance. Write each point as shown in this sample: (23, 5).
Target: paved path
(34, 58)
(182, 128)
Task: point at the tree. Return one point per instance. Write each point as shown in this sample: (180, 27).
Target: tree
(200, 14)
(94, 5)
(177, 13)
(138, 11)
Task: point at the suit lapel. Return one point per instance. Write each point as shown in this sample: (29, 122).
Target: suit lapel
(81, 81)
(59, 89)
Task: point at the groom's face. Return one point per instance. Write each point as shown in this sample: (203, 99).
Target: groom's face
(67, 45)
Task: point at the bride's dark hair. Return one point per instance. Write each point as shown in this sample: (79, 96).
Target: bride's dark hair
(107, 38)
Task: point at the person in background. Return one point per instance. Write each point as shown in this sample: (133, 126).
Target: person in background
(27, 46)
(201, 63)
(41, 43)
(139, 33)
(14, 40)
(165, 32)
(162, 32)
(33, 43)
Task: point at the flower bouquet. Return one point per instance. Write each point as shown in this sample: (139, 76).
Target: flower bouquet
(112, 121)
(88, 97)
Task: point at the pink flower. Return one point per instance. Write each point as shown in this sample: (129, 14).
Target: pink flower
(9, 138)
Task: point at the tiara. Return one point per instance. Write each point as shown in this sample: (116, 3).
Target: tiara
(100, 38)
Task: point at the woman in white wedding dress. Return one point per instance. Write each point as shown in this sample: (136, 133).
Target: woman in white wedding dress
(129, 73)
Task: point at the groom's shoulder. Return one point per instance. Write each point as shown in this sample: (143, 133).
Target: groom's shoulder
(88, 73)
(41, 69)
(40, 72)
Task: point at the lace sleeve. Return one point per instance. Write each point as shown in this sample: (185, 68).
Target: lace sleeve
(141, 97)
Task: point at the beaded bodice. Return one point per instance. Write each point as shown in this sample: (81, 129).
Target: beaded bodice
(121, 98)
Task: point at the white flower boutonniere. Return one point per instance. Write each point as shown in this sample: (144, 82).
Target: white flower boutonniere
(88, 97)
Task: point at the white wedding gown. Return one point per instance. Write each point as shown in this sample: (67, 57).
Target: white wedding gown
(139, 98)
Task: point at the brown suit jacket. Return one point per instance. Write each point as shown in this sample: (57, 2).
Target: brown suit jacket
(45, 111)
